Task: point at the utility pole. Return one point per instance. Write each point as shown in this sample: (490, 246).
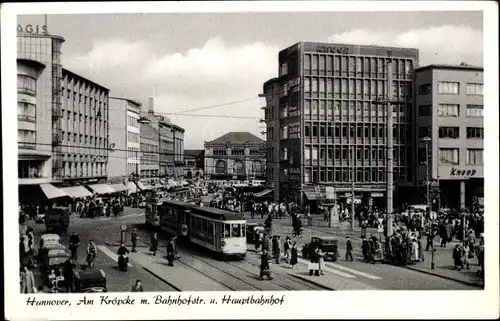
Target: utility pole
(136, 178)
(390, 142)
(429, 203)
(352, 188)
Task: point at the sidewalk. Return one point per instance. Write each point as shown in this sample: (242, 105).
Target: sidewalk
(442, 256)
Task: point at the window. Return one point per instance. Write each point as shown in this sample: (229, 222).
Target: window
(474, 111)
(26, 84)
(307, 130)
(307, 63)
(236, 230)
(26, 112)
(219, 152)
(475, 132)
(445, 87)
(425, 110)
(307, 108)
(474, 89)
(425, 89)
(322, 153)
(448, 110)
(307, 86)
(237, 152)
(26, 136)
(307, 153)
(284, 69)
(448, 156)
(315, 153)
(315, 131)
(474, 157)
(449, 132)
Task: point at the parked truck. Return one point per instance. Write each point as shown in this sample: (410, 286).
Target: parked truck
(57, 219)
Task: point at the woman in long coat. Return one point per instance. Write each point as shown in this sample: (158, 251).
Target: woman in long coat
(154, 244)
(321, 261)
(27, 281)
(293, 259)
(414, 251)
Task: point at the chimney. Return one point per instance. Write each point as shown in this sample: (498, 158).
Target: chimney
(151, 109)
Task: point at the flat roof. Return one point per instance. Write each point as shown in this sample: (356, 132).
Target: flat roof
(450, 67)
(354, 46)
(270, 81)
(64, 70)
(135, 102)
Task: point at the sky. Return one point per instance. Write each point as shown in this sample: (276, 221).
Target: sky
(196, 60)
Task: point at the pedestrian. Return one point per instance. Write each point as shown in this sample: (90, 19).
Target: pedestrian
(294, 255)
(68, 273)
(265, 242)
(137, 287)
(265, 266)
(154, 244)
(321, 261)
(414, 251)
(287, 247)
(466, 256)
(457, 257)
(134, 237)
(365, 248)
(420, 249)
(348, 251)
(363, 228)
(27, 281)
(314, 265)
(277, 248)
(170, 252)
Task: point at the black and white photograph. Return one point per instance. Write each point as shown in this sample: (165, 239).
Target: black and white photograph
(184, 152)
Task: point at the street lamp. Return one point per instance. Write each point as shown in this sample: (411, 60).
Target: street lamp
(427, 141)
(141, 120)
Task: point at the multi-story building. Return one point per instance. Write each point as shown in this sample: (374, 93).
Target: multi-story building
(124, 136)
(194, 162)
(272, 117)
(235, 156)
(178, 134)
(449, 116)
(331, 130)
(81, 132)
(39, 76)
(149, 143)
(166, 147)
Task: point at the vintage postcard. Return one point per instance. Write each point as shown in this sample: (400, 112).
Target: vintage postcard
(212, 160)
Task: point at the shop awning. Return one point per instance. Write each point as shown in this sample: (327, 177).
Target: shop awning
(102, 189)
(266, 192)
(119, 187)
(77, 191)
(131, 187)
(52, 192)
(158, 186)
(144, 187)
(312, 196)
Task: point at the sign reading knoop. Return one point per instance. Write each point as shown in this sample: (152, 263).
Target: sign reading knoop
(462, 172)
(33, 29)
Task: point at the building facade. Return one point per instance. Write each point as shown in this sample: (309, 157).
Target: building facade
(194, 160)
(39, 76)
(235, 156)
(149, 143)
(166, 147)
(331, 130)
(449, 102)
(272, 117)
(124, 136)
(81, 132)
(178, 134)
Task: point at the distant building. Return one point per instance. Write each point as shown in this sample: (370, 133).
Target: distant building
(149, 143)
(194, 160)
(178, 133)
(235, 156)
(39, 75)
(81, 133)
(124, 135)
(449, 114)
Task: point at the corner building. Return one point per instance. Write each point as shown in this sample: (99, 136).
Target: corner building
(331, 132)
(39, 76)
(450, 112)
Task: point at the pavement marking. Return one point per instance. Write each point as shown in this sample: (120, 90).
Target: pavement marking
(329, 269)
(110, 253)
(366, 275)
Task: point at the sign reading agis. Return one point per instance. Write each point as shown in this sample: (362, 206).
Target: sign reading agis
(33, 29)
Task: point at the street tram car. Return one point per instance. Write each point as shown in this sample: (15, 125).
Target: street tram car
(220, 231)
(151, 210)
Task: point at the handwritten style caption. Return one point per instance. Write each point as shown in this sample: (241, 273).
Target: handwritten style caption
(171, 300)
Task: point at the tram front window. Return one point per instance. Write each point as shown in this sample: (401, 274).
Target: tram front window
(236, 230)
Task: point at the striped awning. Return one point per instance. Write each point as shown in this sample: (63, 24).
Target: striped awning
(119, 187)
(312, 196)
(102, 189)
(77, 191)
(144, 187)
(52, 192)
(263, 193)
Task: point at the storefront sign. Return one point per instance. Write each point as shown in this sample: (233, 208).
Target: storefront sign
(339, 50)
(33, 29)
(462, 172)
(294, 171)
(375, 194)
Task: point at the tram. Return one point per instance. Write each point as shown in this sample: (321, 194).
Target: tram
(219, 231)
(153, 201)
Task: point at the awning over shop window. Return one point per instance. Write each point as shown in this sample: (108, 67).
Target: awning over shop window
(132, 188)
(52, 192)
(312, 196)
(158, 186)
(264, 193)
(77, 191)
(144, 187)
(102, 189)
(119, 187)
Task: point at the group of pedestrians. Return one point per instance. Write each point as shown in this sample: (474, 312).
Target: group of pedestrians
(171, 248)
(271, 250)
(92, 206)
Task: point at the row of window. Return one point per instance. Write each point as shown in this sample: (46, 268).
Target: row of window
(451, 110)
(30, 168)
(89, 93)
(474, 156)
(86, 169)
(350, 109)
(352, 88)
(132, 121)
(338, 130)
(368, 175)
(454, 132)
(354, 65)
(84, 139)
(26, 85)
(133, 137)
(237, 152)
(345, 153)
(26, 112)
(452, 88)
